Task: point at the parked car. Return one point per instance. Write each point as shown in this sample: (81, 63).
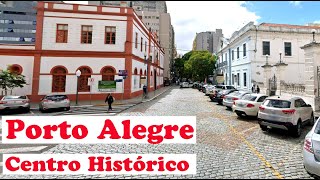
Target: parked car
(248, 105)
(311, 151)
(208, 89)
(288, 113)
(8, 103)
(204, 87)
(184, 85)
(230, 98)
(218, 97)
(214, 91)
(51, 102)
(167, 82)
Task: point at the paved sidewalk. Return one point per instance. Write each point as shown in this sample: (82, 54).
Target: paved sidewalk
(152, 95)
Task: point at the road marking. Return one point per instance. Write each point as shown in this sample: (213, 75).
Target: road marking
(25, 149)
(252, 148)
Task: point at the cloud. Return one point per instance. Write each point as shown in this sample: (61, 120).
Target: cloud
(191, 17)
(295, 3)
(316, 22)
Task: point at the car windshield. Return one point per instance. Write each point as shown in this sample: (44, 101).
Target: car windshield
(249, 97)
(57, 97)
(317, 129)
(277, 103)
(230, 87)
(14, 97)
(225, 92)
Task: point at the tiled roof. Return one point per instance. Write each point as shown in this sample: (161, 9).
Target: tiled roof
(289, 26)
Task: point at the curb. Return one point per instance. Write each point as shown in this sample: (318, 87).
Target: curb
(96, 105)
(156, 96)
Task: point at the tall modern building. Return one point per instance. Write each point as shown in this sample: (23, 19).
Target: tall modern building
(17, 22)
(154, 15)
(208, 40)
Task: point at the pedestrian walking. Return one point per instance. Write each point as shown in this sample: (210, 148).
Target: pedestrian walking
(253, 88)
(109, 100)
(258, 89)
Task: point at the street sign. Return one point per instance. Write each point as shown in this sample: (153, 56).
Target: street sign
(123, 73)
(118, 80)
(90, 81)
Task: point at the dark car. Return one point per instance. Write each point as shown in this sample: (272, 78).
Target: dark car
(218, 97)
(167, 82)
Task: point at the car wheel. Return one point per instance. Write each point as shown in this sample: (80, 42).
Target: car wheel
(239, 114)
(311, 123)
(297, 129)
(228, 107)
(27, 110)
(263, 128)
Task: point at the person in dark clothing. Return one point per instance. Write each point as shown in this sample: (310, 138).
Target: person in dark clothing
(109, 100)
(253, 88)
(258, 89)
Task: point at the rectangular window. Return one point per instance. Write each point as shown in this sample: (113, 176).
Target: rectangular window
(232, 54)
(136, 41)
(238, 53)
(244, 50)
(145, 46)
(232, 78)
(245, 79)
(238, 79)
(62, 33)
(86, 34)
(265, 48)
(141, 44)
(287, 49)
(110, 35)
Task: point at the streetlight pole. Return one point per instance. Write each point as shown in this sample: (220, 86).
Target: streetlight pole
(146, 60)
(78, 74)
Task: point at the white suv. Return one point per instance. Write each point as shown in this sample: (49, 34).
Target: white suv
(288, 113)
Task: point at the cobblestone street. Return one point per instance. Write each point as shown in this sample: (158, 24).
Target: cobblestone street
(227, 146)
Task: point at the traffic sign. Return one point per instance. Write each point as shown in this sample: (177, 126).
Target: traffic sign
(118, 80)
(123, 73)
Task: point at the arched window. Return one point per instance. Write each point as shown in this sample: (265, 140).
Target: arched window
(83, 79)
(145, 72)
(59, 74)
(108, 73)
(141, 72)
(135, 71)
(15, 69)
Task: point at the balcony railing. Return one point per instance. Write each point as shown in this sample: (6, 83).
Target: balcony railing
(221, 64)
(291, 87)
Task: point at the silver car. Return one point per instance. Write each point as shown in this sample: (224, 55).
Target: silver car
(311, 151)
(50, 102)
(229, 99)
(288, 113)
(14, 103)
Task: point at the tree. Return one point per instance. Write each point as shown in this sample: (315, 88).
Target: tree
(10, 80)
(196, 65)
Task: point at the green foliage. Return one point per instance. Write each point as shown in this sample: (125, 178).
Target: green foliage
(197, 65)
(10, 80)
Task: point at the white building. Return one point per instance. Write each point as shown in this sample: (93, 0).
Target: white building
(252, 45)
(98, 41)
